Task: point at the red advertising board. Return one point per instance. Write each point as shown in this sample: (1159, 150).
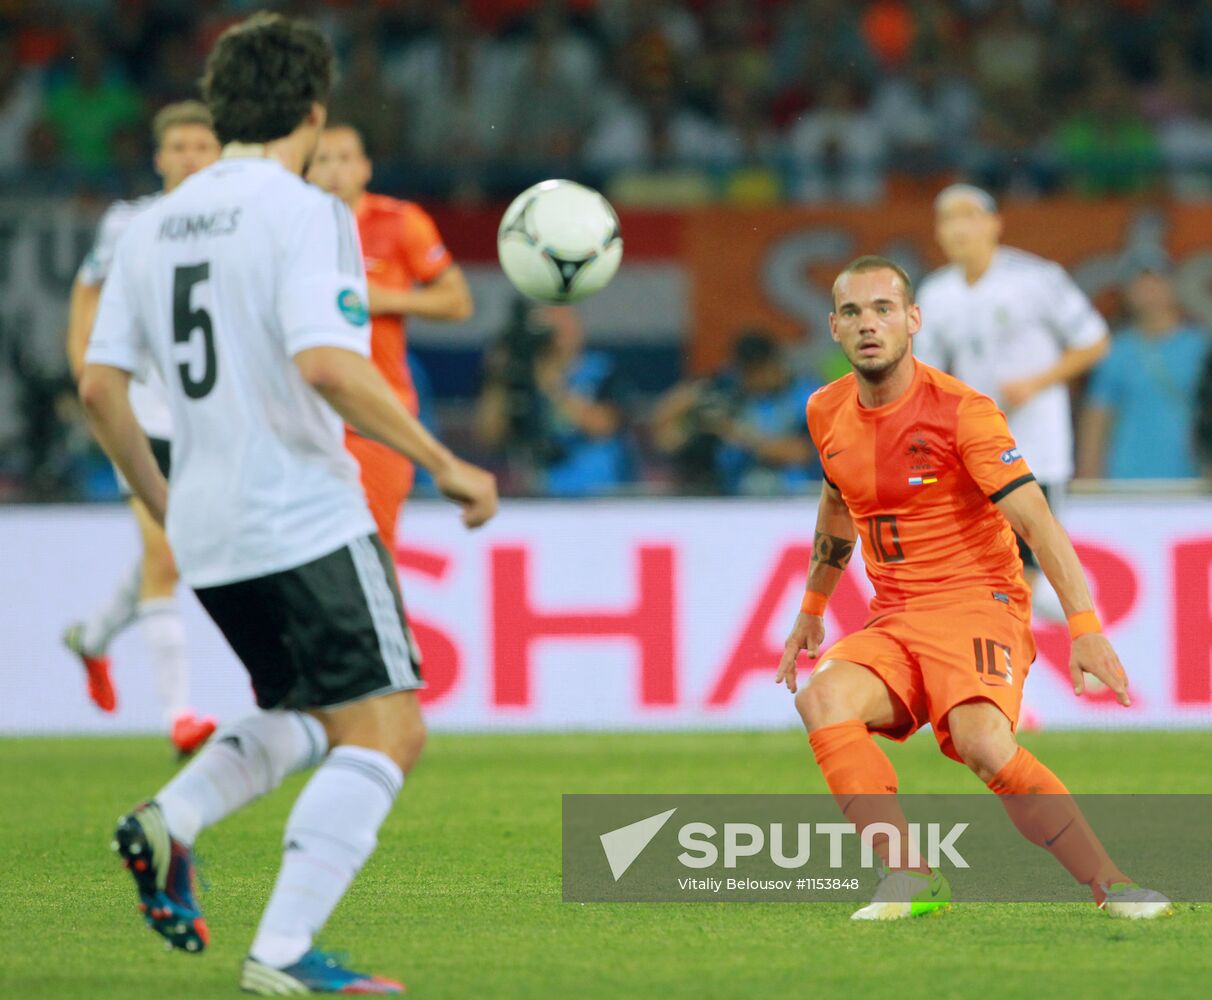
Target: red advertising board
(624, 615)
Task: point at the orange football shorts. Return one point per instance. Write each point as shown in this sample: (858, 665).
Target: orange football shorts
(934, 660)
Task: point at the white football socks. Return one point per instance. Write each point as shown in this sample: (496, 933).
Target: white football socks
(165, 636)
(240, 763)
(114, 615)
(331, 831)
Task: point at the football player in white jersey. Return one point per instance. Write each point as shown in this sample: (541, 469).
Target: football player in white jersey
(1017, 328)
(185, 143)
(245, 289)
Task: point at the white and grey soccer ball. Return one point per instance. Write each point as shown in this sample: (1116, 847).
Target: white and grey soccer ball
(559, 242)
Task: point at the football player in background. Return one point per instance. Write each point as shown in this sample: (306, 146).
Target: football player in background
(185, 143)
(1017, 328)
(410, 273)
(927, 469)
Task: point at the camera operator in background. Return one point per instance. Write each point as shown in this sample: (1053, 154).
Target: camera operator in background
(554, 408)
(743, 431)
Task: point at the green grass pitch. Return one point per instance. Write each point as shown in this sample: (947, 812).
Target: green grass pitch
(462, 898)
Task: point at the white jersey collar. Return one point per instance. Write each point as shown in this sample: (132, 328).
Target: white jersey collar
(244, 151)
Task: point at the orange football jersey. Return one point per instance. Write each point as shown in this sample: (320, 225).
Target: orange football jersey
(920, 477)
(402, 248)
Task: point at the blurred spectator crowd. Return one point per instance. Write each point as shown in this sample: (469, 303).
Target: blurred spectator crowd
(665, 102)
(658, 100)
(556, 419)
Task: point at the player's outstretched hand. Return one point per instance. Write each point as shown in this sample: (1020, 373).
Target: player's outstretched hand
(807, 634)
(471, 488)
(1093, 654)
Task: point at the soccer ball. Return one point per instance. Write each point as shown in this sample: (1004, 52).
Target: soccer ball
(559, 242)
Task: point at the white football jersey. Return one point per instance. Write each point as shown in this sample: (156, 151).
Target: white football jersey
(148, 394)
(1013, 323)
(221, 283)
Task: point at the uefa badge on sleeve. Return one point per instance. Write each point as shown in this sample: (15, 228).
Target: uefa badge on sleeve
(350, 303)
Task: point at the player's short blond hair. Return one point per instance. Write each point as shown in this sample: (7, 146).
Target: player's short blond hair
(977, 195)
(180, 113)
(874, 262)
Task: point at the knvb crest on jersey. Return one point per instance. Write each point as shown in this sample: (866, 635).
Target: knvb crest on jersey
(921, 460)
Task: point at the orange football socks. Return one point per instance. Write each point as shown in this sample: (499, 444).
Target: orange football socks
(1046, 814)
(863, 781)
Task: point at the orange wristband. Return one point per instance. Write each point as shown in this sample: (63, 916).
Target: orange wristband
(813, 603)
(1083, 623)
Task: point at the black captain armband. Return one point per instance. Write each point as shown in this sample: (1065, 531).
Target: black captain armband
(1010, 487)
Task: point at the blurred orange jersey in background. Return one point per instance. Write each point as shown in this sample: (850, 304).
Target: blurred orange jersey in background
(402, 248)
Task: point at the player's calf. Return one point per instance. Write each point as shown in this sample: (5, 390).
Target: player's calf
(406, 745)
(1044, 812)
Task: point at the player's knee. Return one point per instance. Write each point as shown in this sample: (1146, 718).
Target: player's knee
(821, 703)
(985, 752)
(392, 725)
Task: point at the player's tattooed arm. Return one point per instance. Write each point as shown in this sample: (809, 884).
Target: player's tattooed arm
(830, 550)
(832, 547)
(833, 543)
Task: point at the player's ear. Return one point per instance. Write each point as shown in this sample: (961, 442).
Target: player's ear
(833, 328)
(914, 318)
(158, 163)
